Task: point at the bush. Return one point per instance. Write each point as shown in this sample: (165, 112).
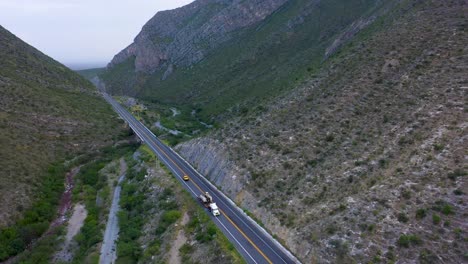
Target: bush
(186, 249)
(407, 240)
(402, 217)
(447, 209)
(406, 194)
(329, 138)
(457, 173)
(426, 256)
(443, 207)
(170, 217)
(420, 213)
(438, 147)
(131, 220)
(89, 174)
(435, 219)
(35, 222)
(126, 249)
(211, 230)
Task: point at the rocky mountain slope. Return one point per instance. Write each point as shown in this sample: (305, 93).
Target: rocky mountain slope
(222, 57)
(48, 114)
(365, 161)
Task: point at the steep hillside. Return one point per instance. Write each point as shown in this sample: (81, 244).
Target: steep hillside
(365, 161)
(48, 114)
(222, 57)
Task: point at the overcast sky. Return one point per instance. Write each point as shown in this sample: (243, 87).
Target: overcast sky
(80, 33)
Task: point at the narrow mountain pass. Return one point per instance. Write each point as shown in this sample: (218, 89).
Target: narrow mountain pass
(250, 239)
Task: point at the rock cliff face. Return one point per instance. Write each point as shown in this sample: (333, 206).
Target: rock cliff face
(365, 162)
(222, 56)
(210, 158)
(185, 35)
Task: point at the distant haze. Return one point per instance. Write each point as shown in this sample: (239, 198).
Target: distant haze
(80, 33)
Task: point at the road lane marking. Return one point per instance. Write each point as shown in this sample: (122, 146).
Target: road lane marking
(196, 185)
(236, 240)
(229, 208)
(190, 168)
(227, 217)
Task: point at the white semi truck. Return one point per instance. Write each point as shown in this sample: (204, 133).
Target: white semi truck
(207, 201)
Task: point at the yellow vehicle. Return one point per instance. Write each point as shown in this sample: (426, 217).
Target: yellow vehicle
(186, 178)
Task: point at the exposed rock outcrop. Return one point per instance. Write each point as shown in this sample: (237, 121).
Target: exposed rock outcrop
(210, 158)
(185, 35)
(348, 34)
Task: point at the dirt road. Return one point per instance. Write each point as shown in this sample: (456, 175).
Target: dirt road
(108, 248)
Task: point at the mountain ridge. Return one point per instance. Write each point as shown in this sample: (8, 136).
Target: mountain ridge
(48, 114)
(173, 37)
(252, 61)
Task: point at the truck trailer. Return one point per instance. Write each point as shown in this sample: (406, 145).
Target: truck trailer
(207, 201)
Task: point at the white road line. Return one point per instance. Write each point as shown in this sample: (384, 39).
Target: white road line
(190, 167)
(216, 195)
(236, 240)
(190, 188)
(155, 141)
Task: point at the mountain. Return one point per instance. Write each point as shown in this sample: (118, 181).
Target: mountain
(225, 56)
(364, 162)
(343, 123)
(48, 114)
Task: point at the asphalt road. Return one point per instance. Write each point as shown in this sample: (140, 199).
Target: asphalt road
(252, 241)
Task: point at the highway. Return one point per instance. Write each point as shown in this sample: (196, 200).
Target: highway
(252, 241)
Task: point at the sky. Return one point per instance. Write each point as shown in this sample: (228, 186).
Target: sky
(80, 33)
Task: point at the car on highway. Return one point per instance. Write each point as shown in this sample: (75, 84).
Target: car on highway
(186, 178)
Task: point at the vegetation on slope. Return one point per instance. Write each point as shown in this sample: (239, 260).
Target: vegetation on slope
(93, 189)
(90, 74)
(48, 115)
(257, 64)
(90, 185)
(369, 151)
(170, 124)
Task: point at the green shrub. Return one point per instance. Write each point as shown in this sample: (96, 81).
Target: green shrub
(35, 222)
(456, 173)
(170, 217)
(438, 147)
(436, 219)
(329, 138)
(426, 256)
(420, 213)
(186, 249)
(402, 217)
(443, 207)
(447, 209)
(407, 240)
(211, 230)
(406, 193)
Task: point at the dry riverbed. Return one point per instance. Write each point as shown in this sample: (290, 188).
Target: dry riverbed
(74, 225)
